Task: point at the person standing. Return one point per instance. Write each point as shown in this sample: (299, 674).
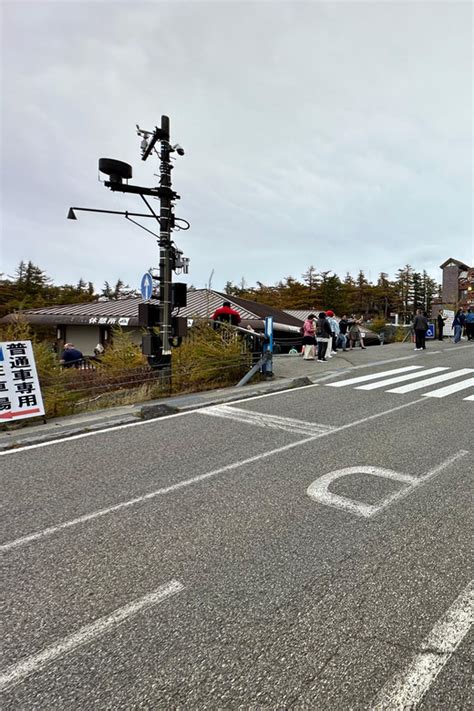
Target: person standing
(323, 336)
(226, 314)
(470, 324)
(309, 338)
(334, 326)
(458, 324)
(343, 326)
(361, 332)
(353, 332)
(441, 320)
(420, 326)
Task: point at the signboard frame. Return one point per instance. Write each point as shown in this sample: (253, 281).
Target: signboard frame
(20, 391)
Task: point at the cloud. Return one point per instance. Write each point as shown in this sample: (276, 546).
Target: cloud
(337, 134)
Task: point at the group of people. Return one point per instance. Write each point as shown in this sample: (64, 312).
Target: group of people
(462, 322)
(324, 335)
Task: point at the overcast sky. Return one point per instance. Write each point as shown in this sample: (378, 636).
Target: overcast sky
(333, 134)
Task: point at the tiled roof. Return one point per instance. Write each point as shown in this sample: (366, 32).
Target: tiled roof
(301, 314)
(201, 303)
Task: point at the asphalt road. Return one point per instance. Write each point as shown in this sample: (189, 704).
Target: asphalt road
(214, 559)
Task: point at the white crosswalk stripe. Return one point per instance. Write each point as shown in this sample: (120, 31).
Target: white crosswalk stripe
(453, 388)
(373, 376)
(417, 374)
(297, 427)
(433, 381)
(399, 379)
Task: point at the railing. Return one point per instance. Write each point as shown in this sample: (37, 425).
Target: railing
(85, 363)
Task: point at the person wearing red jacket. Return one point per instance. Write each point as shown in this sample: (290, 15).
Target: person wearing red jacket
(227, 313)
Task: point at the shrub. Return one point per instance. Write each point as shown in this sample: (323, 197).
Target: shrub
(122, 353)
(209, 358)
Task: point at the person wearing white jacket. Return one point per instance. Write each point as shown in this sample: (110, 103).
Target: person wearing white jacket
(334, 324)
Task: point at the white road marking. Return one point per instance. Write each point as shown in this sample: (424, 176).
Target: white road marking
(154, 420)
(400, 378)
(260, 419)
(469, 397)
(433, 381)
(147, 497)
(17, 672)
(373, 376)
(51, 530)
(105, 430)
(407, 688)
(453, 388)
(319, 489)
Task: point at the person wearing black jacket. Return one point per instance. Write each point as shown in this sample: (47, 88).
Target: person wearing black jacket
(420, 326)
(441, 321)
(323, 336)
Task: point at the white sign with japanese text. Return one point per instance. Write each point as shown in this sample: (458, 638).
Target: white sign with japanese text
(20, 394)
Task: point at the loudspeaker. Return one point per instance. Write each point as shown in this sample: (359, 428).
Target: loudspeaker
(148, 315)
(179, 326)
(151, 345)
(178, 295)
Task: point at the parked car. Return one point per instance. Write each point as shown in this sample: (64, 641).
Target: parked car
(371, 337)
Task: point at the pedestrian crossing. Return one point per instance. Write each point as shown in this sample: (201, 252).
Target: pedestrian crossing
(417, 374)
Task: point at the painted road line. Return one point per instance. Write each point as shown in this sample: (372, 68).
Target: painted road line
(16, 673)
(288, 424)
(373, 376)
(453, 388)
(51, 530)
(407, 688)
(46, 532)
(401, 378)
(154, 420)
(469, 397)
(319, 489)
(431, 381)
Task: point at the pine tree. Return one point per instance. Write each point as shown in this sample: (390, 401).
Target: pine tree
(310, 278)
(404, 291)
(107, 290)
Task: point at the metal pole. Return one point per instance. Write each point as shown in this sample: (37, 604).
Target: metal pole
(165, 243)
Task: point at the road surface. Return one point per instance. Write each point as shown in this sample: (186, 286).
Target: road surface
(308, 549)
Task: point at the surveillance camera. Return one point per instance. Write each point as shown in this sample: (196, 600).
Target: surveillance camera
(179, 149)
(144, 144)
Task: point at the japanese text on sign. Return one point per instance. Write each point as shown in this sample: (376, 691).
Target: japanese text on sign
(20, 394)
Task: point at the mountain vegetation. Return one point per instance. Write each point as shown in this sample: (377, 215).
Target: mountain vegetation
(31, 287)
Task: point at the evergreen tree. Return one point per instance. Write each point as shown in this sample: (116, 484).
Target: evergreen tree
(310, 278)
(404, 291)
(107, 290)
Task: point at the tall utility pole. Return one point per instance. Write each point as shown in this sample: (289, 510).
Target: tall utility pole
(157, 348)
(165, 237)
(162, 134)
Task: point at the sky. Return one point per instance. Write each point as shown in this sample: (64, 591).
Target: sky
(332, 134)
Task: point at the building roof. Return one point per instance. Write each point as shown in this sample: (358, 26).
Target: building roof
(302, 314)
(456, 262)
(201, 303)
